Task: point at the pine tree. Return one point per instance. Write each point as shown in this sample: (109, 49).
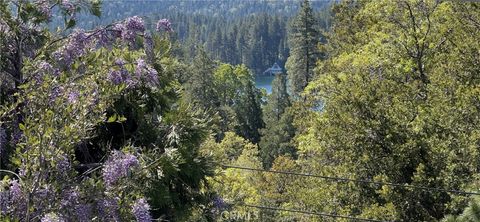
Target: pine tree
(249, 111)
(303, 40)
(200, 88)
(279, 128)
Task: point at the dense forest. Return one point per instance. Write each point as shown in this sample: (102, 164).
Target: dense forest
(148, 110)
(235, 32)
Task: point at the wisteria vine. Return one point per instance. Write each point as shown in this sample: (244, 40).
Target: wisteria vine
(57, 110)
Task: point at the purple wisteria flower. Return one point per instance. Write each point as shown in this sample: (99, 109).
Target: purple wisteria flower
(70, 198)
(3, 140)
(15, 190)
(43, 6)
(120, 62)
(128, 36)
(83, 212)
(51, 217)
(135, 24)
(103, 38)
(4, 202)
(68, 6)
(118, 167)
(73, 97)
(115, 76)
(140, 68)
(108, 209)
(146, 73)
(219, 203)
(77, 45)
(165, 25)
(43, 193)
(45, 66)
(141, 211)
(118, 29)
(55, 93)
(12, 201)
(17, 197)
(129, 29)
(120, 76)
(63, 165)
(151, 77)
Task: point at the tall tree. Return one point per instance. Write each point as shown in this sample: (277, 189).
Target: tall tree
(279, 130)
(303, 39)
(238, 101)
(249, 111)
(200, 88)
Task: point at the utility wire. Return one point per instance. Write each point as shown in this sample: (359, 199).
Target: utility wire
(312, 213)
(339, 179)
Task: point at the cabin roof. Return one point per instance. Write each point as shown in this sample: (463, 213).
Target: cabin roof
(274, 69)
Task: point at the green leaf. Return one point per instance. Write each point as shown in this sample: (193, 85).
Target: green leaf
(21, 126)
(122, 119)
(112, 119)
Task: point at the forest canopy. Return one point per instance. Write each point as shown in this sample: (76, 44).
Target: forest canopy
(113, 111)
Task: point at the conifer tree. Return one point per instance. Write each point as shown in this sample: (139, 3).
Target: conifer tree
(303, 39)
(278, 129)
(249, 112)
(200, 88)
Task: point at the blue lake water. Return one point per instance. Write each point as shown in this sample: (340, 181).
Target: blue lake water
(264, 82)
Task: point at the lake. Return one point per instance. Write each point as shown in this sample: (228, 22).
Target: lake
(264, 82)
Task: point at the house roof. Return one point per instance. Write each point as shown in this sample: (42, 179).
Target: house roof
(274, 69)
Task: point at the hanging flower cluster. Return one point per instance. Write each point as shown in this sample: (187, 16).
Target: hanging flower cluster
(118, 166)
(77, 45)
(164, 25)
(141, 211)
(43, 7)
(108, 209)
(120, 74)
(146, 73)
(12, 200)
(67, 88)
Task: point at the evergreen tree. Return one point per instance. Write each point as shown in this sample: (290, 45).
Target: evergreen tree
(200, 88)
(279, 128)
(303, 39)
(248, 110)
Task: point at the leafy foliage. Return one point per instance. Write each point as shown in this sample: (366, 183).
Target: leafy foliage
(397, 107)
(227, 92)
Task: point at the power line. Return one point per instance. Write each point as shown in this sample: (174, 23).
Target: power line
(340, 179)
(312, 213)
